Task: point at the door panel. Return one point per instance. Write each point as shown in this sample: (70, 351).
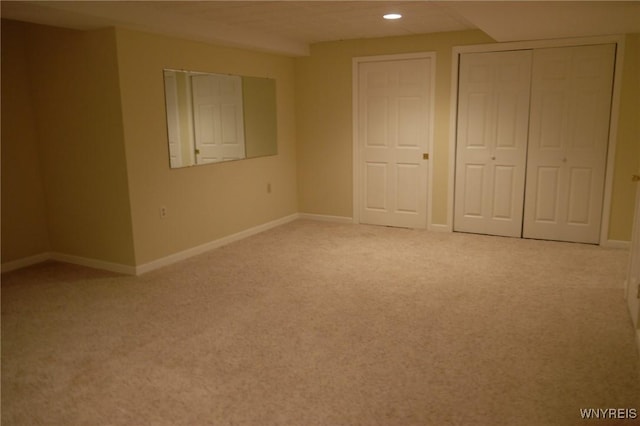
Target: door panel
(507, 111)
(473, 196)
(568, 136)
(475, 135)
(546, 204)
(394, 110)
(377, 111)
(492, 126)
(376, 185)
(504, 191)
(551, 122)
(580, 190)
(406, 196)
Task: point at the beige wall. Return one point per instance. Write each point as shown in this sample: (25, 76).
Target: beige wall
(24, 223)
(324, 126)
(85, 165)
(628, 143)
(207, 202)
(98, 126)
(323, 99)
(72, 77)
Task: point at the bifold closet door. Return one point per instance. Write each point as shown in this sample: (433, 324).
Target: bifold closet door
(493, 118)
(568, 138)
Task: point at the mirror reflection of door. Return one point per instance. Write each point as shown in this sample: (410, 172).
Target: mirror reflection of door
(217, 117)
(173, 121)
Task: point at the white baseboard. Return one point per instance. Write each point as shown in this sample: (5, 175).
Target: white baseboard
(344, 219)
(25, 261)
(194, 251)
(439, 227)
(67, 258)
(616, 244)
(94, 263)
(147, 267)
(325, 218)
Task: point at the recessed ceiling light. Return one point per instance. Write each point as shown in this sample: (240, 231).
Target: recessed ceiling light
(392, 16)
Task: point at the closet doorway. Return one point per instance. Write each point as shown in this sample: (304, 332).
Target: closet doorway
(532, 140)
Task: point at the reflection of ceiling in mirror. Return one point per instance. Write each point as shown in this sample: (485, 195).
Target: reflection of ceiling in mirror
(213, 118)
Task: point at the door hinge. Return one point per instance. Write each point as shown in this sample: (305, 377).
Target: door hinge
(638, 293)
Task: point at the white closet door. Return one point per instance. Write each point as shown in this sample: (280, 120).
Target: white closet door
(568, 136)
(493, 115)
(394, 115)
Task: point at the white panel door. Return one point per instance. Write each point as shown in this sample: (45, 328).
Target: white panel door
(568, 137)
(394, 118)
(493, 115)
(218, 117)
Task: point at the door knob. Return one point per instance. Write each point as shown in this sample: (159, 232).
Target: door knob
(635, 178)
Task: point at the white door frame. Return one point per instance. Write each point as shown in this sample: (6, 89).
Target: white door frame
(613, 126)
(355, 117)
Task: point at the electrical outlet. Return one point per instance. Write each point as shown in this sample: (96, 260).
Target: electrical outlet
(163, 212)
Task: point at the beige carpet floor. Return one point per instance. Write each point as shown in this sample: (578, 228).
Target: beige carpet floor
(317, 323)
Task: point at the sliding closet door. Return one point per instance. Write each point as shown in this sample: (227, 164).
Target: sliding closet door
(570, 110)
(493, 115)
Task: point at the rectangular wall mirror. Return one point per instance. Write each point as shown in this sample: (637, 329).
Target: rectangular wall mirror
(219, 117)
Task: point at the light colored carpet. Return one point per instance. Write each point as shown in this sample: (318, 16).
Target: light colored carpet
(317, 323)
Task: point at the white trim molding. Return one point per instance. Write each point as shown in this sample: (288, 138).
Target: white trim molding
(618, 244)
(94, 263)
(25, 261)
(618, 40)
(67, 258)
(326, 218)
(439, 227)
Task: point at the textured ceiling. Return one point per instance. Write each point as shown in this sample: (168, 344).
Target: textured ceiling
(289, 27)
